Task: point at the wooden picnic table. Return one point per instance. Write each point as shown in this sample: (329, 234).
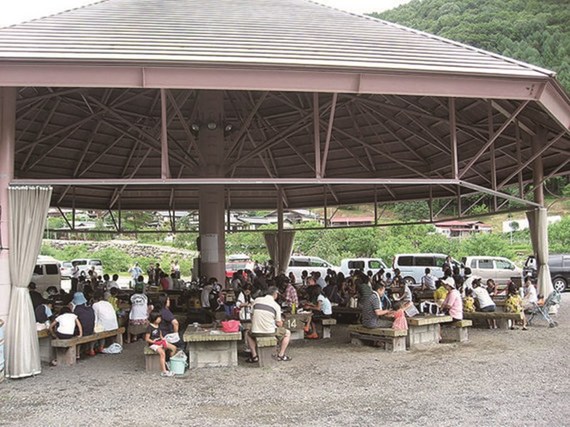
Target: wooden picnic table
(209, 347)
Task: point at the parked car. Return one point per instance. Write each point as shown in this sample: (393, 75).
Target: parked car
(84, 265)
(310, 263)
(500, 269)
(412, 266)
(66, 269)
(363, 264)
(559, 265)
(238, 262)
(46, 273)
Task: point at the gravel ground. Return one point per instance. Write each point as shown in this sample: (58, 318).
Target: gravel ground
(498, 378)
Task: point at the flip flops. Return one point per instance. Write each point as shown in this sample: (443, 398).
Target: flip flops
(252, 359)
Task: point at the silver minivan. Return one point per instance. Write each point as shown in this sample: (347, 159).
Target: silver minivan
(299, 263)
(500, 269)
(412, 266)
(46, 273)
(363, 264)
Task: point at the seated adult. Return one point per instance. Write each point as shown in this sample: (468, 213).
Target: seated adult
(290, 297)
(36, 297)
(169, 326)
(321, 310)
(86, 317)
(113, 283)
(484, 302)
(453, 304)
(469, 279)
(374, 307)
(266, 322)
(530, 298)
(105, 316)
(363, 289)
(138, 316)
(427, 281)
(245, 302)
(43, 312)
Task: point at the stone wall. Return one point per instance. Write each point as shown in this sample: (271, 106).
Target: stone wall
(131, 248)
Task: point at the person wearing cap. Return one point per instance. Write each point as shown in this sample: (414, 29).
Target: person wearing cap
(86, 317)
(453, 304)
(43, 312)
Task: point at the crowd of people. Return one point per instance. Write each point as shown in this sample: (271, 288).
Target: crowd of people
(259, 298)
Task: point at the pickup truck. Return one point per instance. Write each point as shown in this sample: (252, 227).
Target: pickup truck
(559, 265)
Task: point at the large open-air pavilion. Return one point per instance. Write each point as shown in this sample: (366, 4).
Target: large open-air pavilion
(258, 104)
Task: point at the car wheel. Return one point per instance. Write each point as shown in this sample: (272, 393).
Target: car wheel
(409, 281)
(559, 284)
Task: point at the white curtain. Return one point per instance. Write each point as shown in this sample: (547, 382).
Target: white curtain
(280, 258)
(538, 223)
(28, 212)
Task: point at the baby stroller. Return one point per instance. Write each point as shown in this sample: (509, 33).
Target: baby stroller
(544, 309)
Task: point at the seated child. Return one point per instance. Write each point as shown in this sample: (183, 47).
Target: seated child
(469, 301)
(66, 324)
(157, 343)
(514, 303)
(400, 323)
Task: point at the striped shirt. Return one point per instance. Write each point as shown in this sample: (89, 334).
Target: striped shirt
(264, 315)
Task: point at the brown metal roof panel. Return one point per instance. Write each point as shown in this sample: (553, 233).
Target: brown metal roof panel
(282, 33)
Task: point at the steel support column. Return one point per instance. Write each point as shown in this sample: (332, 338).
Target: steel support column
(277, 262)
(7, 144)
(537, 166)
(211, 198)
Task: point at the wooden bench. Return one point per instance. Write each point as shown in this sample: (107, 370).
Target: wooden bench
(457, 331)
(324, 327)
(501, 317)
(386, 338)
(66, 350)
(265, 350)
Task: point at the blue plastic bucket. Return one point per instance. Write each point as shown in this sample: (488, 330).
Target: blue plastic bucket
(178, 364)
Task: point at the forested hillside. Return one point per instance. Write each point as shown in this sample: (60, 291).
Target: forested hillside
(533, 31)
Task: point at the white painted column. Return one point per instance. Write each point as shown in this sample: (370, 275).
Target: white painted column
(7, 144)
(211, 198)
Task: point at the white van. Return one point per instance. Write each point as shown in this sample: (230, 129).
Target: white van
(46, 273)
(500, 269)
(363, 264)
(412, 266)
(297, 264)
(84, 264)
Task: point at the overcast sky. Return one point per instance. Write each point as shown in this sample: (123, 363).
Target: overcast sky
(16, 11)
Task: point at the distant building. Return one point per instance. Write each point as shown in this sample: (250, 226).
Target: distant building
(294, 216)
(461, 228)
(338, 221)
(522, 224)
